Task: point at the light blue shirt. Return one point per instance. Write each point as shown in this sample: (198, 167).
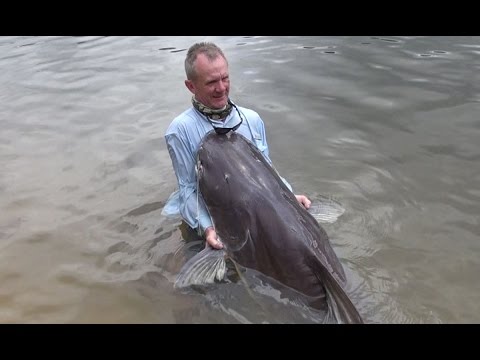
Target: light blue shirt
(183, 138)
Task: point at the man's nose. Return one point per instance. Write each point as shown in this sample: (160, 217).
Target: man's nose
(221, 86)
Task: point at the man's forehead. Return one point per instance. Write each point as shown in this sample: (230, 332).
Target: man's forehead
(212, 69)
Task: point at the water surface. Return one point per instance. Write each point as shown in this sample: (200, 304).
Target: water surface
(388, 126)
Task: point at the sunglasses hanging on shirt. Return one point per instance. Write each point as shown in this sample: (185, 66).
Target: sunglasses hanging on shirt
(225, 130)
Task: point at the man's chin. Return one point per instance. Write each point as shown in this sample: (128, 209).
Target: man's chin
(220, 104)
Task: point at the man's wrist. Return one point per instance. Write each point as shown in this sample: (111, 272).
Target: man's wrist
(208, 230)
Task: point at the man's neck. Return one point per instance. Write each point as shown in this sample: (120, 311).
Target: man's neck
(214, 114)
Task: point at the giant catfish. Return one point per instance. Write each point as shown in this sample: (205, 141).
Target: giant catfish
(263, 227)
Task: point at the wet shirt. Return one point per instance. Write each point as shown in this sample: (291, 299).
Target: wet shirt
(183, 137)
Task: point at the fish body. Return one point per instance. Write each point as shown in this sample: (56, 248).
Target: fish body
(263, 227)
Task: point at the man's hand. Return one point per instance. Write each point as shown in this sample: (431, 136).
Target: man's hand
(212, 238)
(303, 200)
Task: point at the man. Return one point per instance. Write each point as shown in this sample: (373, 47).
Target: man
(206, 68)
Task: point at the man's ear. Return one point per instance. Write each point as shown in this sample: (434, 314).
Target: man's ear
(190, 86)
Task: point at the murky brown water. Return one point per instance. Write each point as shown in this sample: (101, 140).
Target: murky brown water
(389, 126)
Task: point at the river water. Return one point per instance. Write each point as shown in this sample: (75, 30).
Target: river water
(387, 126)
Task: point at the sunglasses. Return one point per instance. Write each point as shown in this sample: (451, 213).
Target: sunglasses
(224, 130)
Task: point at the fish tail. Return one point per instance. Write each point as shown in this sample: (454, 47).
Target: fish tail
(340, 308)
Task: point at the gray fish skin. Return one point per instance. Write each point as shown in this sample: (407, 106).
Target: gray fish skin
(263, 227)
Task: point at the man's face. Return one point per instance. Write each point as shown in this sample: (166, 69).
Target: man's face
(212, 84)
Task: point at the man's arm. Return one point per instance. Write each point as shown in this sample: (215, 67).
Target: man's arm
(184, 166)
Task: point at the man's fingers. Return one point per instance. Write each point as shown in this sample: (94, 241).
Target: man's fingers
(214, 243)
(307, 203)
(303, 200)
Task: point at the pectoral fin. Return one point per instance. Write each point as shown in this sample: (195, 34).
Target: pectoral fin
(326, 210)
(203, 268)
